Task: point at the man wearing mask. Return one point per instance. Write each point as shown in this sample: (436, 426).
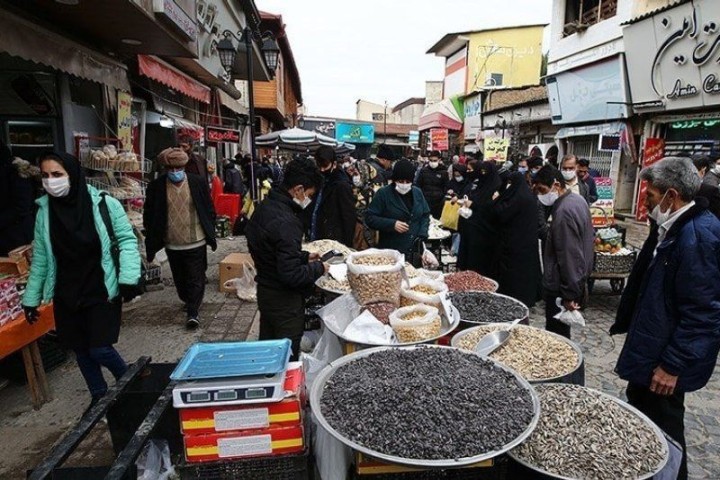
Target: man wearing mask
(433, 182)
(197, 164)
(583, 172)
(669, 308)
(233, 179)
(334, 216)
(285, 273)
(399, 212)
(568, 168)
(382, 165)
(568, 254)
(179, 216)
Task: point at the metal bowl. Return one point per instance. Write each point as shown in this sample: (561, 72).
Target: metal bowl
(576, 376)
(524, 320)
(319, 384)
(626, 406)
(495, 283)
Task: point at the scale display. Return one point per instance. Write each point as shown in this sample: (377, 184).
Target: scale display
(229, 391)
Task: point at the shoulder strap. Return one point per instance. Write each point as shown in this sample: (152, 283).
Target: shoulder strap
(114, 247)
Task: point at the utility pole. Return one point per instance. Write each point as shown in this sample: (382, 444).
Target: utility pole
(385, 123)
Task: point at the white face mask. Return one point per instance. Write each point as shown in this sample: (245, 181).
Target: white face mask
(434, 164)
(658, 215)
(549, 198)
(569, 175)
(304, 202)
(57, 187)
(357, 181)
(459, 178)
(403, 188)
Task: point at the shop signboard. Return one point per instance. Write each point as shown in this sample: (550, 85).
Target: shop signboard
(653, 152)
(355, 132)
(672, 58)
(125, 120)
(321, 126)
(414, 137)
(496, 149)
(473, 117)
(603, 210)
(222, 135)
(596, 92)
(439, 140)
(174, 16)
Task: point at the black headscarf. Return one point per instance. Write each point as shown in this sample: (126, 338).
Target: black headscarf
(487, 182)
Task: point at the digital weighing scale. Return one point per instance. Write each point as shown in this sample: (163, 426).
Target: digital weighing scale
(230, 391)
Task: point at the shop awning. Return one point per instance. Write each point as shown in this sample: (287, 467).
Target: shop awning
(613, 128)
(24, 39)
(440, 115)
(155, 69)
(229, 102)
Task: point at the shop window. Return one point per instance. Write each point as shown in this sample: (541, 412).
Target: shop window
(28, 94)
(86, 93)
(581, 14)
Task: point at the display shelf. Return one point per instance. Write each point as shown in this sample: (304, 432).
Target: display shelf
(124, 188)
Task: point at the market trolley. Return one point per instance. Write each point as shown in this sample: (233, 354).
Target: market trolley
(613, 267)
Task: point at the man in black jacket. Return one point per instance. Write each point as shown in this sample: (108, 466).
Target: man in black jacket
(334, 215)
(433, 181)
(383, 165)
(179, 216)
(17, 197)
(284, 272)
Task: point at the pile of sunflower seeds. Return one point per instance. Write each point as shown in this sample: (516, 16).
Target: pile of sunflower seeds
(485, 307)
(426, 403)
(533, 353)
(584, 434)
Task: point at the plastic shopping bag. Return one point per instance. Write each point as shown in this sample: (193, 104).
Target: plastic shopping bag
(429, 260)
(245, 287)
(449, 217)
(154, 461)
(572, 318)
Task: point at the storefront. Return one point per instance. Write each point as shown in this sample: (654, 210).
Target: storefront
(675, 84)
(443, 115)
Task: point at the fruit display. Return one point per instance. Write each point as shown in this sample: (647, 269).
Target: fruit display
(608, 240)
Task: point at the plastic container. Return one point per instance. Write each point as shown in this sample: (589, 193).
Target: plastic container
(228, 204)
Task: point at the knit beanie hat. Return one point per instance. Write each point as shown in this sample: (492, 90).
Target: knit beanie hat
(403, 170)
(172, 158)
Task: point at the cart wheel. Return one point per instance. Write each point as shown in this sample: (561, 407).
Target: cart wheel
(617, 285)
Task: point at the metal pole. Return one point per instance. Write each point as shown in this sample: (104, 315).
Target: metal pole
(385, 124)
(247, 35)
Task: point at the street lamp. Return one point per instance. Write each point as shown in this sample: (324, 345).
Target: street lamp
(271, 54)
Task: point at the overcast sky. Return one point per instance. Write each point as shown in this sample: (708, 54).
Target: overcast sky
(375, 49)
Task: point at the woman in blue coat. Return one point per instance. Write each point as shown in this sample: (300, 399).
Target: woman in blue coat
(400, 213)
(74, 266)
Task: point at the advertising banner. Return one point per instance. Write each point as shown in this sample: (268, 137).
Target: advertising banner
(439, 139)
(355, 133)
(496, 149)
(221, 135)
(125, 123)
(603, 210)
(653, 152)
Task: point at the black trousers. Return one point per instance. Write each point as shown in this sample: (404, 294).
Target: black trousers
(668, 413)
(188, 270)
(551, 323)
(282, 315)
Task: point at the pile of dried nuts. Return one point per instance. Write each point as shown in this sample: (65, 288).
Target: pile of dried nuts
(381, 310)
(374, 260)
(326, 282)
(469, 281)
(533, 353)
(321, 247)
(426, 403)
(376, 287)
(585, 434)
(486, 307)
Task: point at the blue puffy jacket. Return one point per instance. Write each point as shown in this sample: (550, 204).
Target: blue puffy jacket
(675, 320)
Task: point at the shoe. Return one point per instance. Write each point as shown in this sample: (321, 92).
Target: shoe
(192, 323)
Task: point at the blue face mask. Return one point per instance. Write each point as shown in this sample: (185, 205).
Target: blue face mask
(522, 170)
(176, 177)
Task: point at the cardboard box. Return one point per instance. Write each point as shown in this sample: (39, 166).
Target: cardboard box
(248, 443)
(22, 252)
(286, 413)
(232, 267)
(14, 266)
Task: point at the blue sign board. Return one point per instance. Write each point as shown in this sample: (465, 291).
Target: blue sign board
(355, 133)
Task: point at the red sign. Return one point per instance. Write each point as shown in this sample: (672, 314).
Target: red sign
(439, 139)
(653, 152)
(221, 135)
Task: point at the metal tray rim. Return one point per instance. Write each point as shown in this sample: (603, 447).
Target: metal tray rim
(326, 373)
(495, 282)
(626, 406)
(581, 357)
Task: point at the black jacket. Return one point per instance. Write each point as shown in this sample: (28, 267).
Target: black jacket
(434, 184)
(155, 212)
(382, 175)
(233, 180)
(274, 235)
(17, 197)
(592, 195)
(336, 216)
(712, 195)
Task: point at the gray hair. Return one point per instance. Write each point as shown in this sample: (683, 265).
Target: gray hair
(674, 172)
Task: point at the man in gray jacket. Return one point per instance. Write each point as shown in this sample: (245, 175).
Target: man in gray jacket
(568, 256)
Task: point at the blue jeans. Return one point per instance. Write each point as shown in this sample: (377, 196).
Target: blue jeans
(90, 360)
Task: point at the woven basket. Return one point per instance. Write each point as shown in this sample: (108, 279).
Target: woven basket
(614, 263)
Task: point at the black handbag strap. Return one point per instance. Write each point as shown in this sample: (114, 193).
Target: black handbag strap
(114, 246)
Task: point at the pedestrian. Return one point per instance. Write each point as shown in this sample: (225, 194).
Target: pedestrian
(233, 178)
(400, 213)
(80, 268)
(669, 308)
(334, 214)
(522, 166)
(568, 251)
(433, 183)
(197, 164)
(179, 216)
(459, 184)
(479, 232)
(382, 165)
(583, 173)
(17, 197)
(518, 257)
(568, 169)
(708, 189)
(285, 273)
(708, 169)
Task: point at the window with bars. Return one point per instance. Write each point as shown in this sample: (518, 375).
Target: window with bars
(587, 147)
(581, 14)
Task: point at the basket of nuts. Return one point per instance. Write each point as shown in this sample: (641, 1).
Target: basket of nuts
(415, 323)
(424, 291)
(376, 275)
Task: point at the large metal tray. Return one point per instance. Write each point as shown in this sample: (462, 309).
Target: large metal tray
(525, 320)
(319, 384)
(626, 406)
(233, 359)
(346, 309)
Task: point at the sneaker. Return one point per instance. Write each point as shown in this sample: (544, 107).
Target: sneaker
(192, 323)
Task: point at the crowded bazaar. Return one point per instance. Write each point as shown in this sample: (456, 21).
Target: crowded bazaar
(513, 276)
